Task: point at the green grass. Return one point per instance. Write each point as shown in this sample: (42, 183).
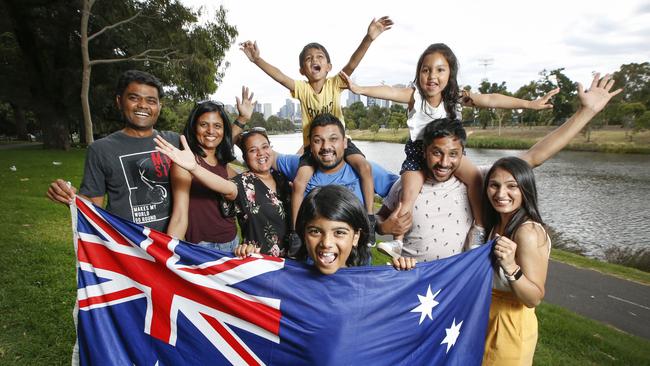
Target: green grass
(566, 338)
(38, 278)
(38, 267)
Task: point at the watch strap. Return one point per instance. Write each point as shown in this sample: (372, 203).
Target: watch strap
(239, 124)
(514, 276)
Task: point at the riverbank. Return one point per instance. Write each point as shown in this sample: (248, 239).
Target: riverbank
(609, 140)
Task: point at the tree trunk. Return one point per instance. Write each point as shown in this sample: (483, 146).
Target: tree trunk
(56, 132)
(21, 122)
(85, 73)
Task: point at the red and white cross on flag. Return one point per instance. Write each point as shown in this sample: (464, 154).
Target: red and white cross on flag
(151, 268)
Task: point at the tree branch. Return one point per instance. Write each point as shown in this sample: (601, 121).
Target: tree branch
(145, 55)
(91, 37)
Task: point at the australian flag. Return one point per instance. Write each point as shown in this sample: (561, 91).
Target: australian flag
(145, 298)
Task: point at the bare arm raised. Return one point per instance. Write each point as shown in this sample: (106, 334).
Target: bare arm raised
(253, 53)
(592, 101)
(376, 27)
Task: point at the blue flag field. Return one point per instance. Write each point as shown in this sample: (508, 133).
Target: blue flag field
(145, 298)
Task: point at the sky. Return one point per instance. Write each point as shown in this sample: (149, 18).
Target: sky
(520, 38)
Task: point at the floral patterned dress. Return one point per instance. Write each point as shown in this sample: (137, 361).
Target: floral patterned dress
(263, 215)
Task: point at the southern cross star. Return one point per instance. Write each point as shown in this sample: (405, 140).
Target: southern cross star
(427, 303)
(452, 334)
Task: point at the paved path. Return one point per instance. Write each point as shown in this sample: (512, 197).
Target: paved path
(611, 300)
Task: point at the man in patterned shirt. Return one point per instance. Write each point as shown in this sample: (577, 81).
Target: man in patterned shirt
(442, 216)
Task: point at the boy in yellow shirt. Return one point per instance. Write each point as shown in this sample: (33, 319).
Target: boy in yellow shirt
(318, 95)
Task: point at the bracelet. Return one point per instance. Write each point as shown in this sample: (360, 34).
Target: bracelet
(516, 274)
(239, 124)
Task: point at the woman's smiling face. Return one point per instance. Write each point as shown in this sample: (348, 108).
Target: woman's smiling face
(329, 243)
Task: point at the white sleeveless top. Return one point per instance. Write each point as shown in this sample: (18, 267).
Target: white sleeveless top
(423, 113)
(499, 280)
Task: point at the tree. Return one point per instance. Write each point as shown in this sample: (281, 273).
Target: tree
(44, 34)
(167, 51)
(48, 37)
(257, 120)
(354, 113)
(635, 78)
(377, 115)
(13, 73)
(565, 102)
(397, 117)
(630, 113)
(643, 122)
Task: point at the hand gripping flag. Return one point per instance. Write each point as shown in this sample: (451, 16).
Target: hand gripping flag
(145, 298)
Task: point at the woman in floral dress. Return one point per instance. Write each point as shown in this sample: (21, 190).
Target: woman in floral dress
(260, 195)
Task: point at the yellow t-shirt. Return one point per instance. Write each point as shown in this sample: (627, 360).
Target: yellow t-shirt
(312, 104)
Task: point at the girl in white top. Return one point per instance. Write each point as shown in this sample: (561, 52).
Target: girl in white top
(438, 96)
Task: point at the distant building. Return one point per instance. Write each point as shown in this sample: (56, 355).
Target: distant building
(370, 101)
(267, 110)
(230, 108)
(258, 108)
(352, 98)
(288, 110)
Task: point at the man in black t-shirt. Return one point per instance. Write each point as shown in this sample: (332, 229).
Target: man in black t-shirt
(125, 165)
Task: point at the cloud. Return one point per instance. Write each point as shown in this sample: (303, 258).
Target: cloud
(644, 8)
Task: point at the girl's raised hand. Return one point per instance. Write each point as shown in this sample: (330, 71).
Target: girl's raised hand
(377, 26)
(545, 101)
(598, 95)
(183, 158)
(351, 85)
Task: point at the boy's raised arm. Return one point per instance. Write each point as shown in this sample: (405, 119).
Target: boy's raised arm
(592, 101)
(253, 53)
(376, 27)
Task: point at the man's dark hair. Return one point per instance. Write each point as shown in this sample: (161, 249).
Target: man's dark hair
(444, 127)
(140, 77)
(326, 119)
(318, 46)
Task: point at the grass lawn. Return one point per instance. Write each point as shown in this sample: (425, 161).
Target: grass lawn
(38, 278)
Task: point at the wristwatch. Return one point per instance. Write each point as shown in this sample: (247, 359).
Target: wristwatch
(516, 274)
(239, 124)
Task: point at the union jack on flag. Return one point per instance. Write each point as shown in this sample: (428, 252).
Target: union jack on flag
(145, 298)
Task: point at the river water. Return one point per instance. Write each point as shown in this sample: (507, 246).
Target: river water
(593, 201)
